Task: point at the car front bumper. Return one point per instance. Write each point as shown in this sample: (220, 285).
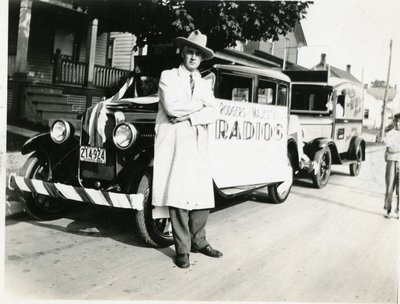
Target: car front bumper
(79, 194)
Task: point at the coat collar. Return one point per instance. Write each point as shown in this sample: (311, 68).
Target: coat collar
(184, 72)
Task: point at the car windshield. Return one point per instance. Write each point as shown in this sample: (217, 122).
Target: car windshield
(146, 85)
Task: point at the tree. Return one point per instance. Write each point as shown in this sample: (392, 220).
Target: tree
(224, 22)
(378, 83)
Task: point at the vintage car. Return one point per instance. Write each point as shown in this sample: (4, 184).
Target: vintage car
(325, 125)
(106, 157)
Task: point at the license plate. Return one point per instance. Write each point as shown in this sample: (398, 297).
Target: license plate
(93, 155)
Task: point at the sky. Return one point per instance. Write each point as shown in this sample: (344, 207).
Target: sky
(355, 32)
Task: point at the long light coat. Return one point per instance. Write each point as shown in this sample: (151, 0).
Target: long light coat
(182, 176)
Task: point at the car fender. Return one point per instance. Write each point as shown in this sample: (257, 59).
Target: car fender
(133, 169)
(293, 153)
(317, 144)
(42, 142)
(355, 142)
(35, 143)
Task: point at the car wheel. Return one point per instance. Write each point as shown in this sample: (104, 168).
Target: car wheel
(41, 207)
(323, 157)
(155, 232)
(355, 167)
(279, 193)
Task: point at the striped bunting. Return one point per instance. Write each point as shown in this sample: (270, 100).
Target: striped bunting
(58, 190)
(98, 117)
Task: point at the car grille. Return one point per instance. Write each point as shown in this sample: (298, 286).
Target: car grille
(98, 175)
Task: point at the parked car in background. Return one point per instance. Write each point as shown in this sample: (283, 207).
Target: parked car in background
(106, 157)
(325, 125)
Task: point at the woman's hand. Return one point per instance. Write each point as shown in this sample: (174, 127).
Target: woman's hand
(175, 120)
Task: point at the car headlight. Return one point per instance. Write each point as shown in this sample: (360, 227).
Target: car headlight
(60, 131)
(124, 135)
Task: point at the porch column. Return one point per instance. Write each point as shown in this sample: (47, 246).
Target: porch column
(21, 59)
(91, 52)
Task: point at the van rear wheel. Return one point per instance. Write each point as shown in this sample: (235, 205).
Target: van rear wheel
(155, 232)
(355, 167)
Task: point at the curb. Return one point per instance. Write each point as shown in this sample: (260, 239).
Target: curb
(21, 131)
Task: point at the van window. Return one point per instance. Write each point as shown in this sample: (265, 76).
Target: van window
(266, 92)
(309, 98)
(235, 87)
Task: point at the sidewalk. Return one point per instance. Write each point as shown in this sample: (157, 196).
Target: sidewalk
(21, 131)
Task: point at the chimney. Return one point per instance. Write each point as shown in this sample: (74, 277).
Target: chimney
(323, 60)
(348, 68)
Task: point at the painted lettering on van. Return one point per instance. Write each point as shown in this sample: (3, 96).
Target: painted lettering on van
(246, 130)
(261, 123)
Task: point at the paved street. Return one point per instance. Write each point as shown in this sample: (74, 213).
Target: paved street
(329, 245)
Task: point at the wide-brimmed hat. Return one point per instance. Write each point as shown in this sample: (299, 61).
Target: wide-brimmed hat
(197, 40)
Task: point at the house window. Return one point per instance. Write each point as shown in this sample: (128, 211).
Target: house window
(110, 51)
(66, 41)
(366, 113)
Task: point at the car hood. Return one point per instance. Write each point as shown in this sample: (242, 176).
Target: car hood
(139, 104)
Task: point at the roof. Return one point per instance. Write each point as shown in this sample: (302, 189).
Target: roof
(244, 58)
(290, 66)
(379, 93)
(336, 72)
(256, 71)
(298, 32)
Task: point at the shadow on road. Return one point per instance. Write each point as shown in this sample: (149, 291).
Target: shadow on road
(326, 200)
(93, 221)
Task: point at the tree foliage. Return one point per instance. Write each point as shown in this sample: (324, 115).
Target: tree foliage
(378, 83)
(224, 22)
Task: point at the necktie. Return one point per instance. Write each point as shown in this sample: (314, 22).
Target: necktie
(191, 83)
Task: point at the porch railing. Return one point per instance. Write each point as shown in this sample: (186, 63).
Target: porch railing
(105, 77)
(74, 73)
(71, 72)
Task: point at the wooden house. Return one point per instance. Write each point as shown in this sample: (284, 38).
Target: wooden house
(58, 62)
(61, 61)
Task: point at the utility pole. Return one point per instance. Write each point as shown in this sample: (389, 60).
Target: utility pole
(386, 94)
